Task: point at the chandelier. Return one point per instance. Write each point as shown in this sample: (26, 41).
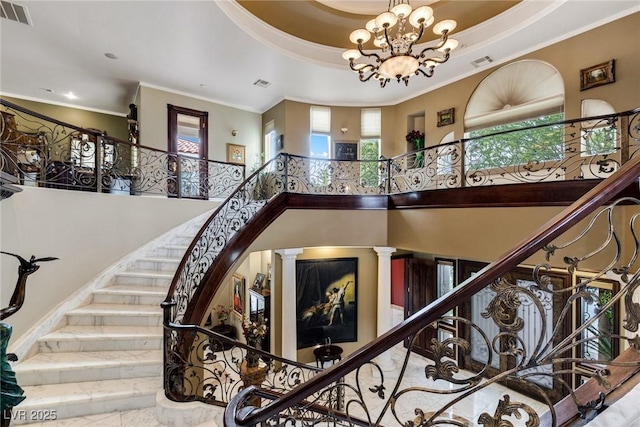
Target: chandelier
(395, 33)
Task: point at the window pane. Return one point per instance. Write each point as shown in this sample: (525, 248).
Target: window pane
(320, 119)
(516, 148)
(369, 171)
(320, 145)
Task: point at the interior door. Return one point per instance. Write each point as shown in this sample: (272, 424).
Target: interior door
(188, 168)
(420, 291)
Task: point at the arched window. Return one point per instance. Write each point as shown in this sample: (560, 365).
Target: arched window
(521, 94)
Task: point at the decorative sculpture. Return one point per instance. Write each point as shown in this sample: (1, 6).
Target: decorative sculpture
(10, 392)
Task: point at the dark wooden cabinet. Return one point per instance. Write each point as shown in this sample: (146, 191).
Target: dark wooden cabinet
(260, 308)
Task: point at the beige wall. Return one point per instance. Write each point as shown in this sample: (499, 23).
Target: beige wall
(88, 232)
(153, 126)
(568, 57)
(115, 126)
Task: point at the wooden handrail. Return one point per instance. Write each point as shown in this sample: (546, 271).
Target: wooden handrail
(562, 222)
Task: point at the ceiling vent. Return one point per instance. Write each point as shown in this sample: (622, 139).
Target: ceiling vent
(261, 83)
(482, 61)
(14, 12)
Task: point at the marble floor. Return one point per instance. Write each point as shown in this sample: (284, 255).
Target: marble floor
(467, 409)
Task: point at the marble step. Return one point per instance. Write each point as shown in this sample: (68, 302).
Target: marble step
(101, 338)
(169, 265)
(171, 251)
(144, 278)
(57, 368)
(86, 398)
(126, 294)
(115, 315)
(184, 240)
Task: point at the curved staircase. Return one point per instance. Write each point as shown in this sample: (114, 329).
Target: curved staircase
(106, 354)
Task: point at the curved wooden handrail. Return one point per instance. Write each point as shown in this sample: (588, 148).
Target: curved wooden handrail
(562, 222)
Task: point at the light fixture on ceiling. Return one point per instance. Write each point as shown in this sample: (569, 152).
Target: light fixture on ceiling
(395, 33)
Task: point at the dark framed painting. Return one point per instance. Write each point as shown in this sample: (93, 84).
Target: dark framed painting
(346, 150)
(445, 117)
(597, 75)
(326, 301)
(237, 296)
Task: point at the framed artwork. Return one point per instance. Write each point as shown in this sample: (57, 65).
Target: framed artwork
(280, 142)
(236, 154)
(597, 75)
(445, 117)
(326, 301)
(258, 283)
(346, 150)
(237, 296)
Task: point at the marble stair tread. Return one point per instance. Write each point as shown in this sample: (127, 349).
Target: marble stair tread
(146, 273)
(99, 333)
(132, 290)
(117, 309)
(91, 397)
(71, 367)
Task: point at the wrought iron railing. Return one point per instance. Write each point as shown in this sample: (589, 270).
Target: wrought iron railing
(42, 151)
(295, 174)
(514, 329)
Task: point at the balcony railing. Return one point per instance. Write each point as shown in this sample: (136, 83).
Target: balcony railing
(42, 151)
(491, 340)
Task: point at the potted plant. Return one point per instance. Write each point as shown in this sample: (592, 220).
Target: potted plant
(222, 312)
(254, 332)
(416, 139)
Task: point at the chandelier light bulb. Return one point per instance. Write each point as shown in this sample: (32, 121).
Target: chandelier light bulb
(351, 54)
(450, 44)
(360, 36)
(386, 19)
(402, 10)
(371, 26)
(447, 26)
(421, 15)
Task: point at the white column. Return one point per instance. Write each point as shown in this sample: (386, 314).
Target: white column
(288, 291)
(385, 321)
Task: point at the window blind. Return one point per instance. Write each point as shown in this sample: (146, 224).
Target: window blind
(320, 120)
(370, 123)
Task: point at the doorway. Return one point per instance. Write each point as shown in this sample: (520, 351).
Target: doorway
(188, 145)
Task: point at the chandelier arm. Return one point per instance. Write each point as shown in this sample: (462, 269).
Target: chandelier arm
(416, 40)
(369, 55)
(386, 36)
(436, 59)
(352, 65)
(429, 74)
(361, 76)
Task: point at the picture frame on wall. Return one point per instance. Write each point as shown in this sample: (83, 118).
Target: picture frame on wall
(445, 117)
(597, 75)
(326, 301)
(236, 154)
(237, 294)
(258, 283)
(345, 150)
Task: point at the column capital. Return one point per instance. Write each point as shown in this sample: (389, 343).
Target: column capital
(289, 253)
(384, 250)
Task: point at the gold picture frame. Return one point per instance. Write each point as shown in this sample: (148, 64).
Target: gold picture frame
(236, 154)
(446, 117)
(237, 294)
(597, 75)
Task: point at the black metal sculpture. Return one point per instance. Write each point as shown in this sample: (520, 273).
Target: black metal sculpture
(10, 392)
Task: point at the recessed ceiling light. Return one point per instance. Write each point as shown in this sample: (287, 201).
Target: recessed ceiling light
(70, 96)
(110, 55)
(203, 85)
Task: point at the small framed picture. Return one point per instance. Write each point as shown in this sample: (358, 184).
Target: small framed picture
(280, 142)
(258, 283)
(445, 117)
(346, 150)
(237, 287)
(236, 154)
(597, 75)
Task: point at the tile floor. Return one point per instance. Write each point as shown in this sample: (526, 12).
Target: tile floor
(470, 408)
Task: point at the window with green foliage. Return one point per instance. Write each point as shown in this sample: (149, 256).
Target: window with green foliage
(370, 130)
(516, 148)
